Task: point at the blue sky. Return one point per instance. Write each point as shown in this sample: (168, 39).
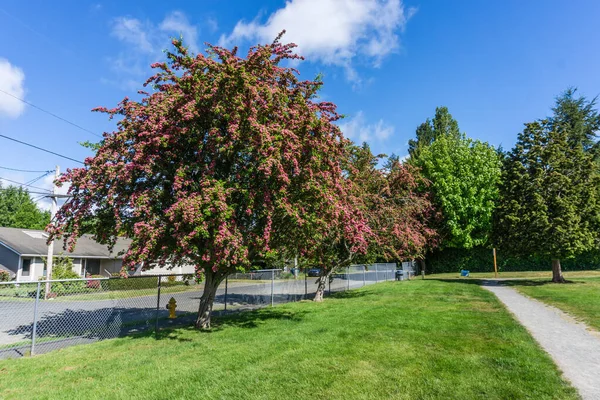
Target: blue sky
(387, 64)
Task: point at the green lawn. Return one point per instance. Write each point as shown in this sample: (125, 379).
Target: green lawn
(580, 297)
(395, 340)
(510, 275)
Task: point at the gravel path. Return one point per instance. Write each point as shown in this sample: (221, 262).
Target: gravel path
(573, 346)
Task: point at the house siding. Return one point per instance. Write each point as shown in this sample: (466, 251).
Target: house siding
(9, 258)
(166, 270)
(108, 267)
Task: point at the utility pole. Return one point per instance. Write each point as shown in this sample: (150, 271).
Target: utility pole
(495, 265)
(53, 207)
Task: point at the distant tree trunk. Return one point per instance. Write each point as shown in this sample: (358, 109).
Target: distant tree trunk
(321, 284)
(211, 284)
(557, 276)
(422, 263)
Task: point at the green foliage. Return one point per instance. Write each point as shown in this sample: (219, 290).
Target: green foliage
(549, 204)
(442, 124)
(464, 176)
(18, 210)
(479, 259)
(62, 268)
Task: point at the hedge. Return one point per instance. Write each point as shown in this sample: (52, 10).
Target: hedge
(481, 260)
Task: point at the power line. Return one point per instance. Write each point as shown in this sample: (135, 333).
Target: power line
(50, 113)
(34, 180)
(60, 196)
(25, 170)
(23, 184)
(41, 149)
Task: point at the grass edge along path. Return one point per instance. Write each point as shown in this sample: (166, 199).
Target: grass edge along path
(580, 297)
(399, 340)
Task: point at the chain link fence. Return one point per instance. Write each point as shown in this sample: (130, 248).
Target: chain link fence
(38, 317)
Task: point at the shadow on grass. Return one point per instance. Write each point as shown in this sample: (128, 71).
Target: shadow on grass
(528, 282)
(253, 319)
(351, 294)
(504, 282)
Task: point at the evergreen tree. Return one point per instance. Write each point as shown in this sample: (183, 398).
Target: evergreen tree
(549, 193)
(18, 210)
(442, 124)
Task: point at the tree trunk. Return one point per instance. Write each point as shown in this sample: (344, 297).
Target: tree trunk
(557, 272)
(321, 284)
(422, 262)
(211, 284)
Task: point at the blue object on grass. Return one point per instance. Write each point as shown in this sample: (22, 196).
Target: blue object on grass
(464, 272)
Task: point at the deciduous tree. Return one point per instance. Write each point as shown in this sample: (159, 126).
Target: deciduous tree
(389, 219)
(464, 176)
(226, 159)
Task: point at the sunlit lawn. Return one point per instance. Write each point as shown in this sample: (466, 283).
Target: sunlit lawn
(580, 297)
(518, 274)
(396, 340)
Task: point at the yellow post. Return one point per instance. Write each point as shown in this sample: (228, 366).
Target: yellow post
(495, 266)
(171, 307)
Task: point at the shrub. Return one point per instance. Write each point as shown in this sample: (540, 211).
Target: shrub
(62, 268)
(4, 276)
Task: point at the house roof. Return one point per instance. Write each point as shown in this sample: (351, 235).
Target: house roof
(29, 242)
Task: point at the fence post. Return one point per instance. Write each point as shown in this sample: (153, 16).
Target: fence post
(226, 280)
(157, 306)
(305, 284)
(364, 275)
(348, 276)
(35, 318)
(376, 274)
(272, 287)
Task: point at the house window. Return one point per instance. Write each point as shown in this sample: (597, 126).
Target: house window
(26, 267)
(92, 267)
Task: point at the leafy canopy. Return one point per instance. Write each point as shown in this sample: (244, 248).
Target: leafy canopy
(226, 159)
(18, 210)
(464, 176)
(395, 215)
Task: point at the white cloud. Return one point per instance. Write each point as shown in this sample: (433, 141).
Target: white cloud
(144, 44)
(335, 32)
(360, 131)
(11, 81)
(178, 22)
(134, 32)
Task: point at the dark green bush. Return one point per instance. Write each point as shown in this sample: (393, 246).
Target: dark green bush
(481, 260)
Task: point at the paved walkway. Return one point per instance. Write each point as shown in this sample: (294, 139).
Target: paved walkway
(573, 346)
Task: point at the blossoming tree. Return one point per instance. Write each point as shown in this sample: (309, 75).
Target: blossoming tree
(224, 160)
(390, 218)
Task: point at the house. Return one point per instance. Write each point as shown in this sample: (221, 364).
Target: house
(22, 252)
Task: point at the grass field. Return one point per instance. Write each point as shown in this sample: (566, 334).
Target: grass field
(580, 297)
(515, 275)
(396, 340)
